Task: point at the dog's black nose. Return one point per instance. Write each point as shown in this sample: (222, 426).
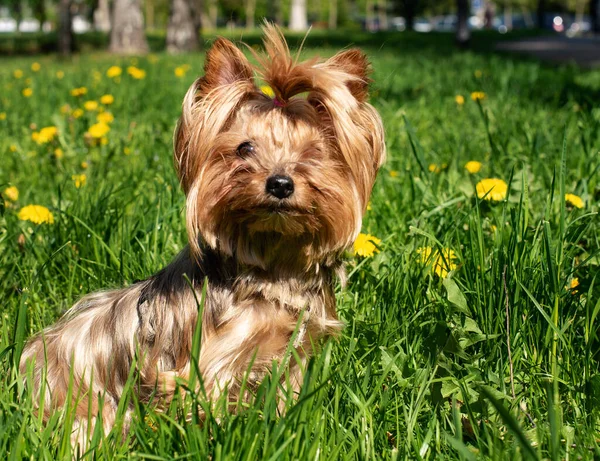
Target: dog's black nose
(280, 186)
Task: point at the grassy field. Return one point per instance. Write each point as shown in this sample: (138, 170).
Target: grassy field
(473, 331)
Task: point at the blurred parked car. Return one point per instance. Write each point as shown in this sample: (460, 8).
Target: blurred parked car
(422, 25)
(8, 25)
(582, 26)
(398, 23)
(445, 23)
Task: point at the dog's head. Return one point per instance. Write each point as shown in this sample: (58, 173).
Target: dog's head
(278, 176)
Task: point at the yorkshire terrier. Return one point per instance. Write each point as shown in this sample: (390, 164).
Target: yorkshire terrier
(276, 186)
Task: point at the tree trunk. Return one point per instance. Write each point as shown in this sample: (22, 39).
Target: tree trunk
(333, 14)
(127, 34)
(298, 20)
(250, 11)
(65, 29)
(102, 16)
(40, 12)
(17, 9)
(508, 17)
(277, 12)
(212, 12)
(410, 11)
(182, 29)
(541, 10)
(150, 15)
(463, 34)
(595, 15)
(382, 14)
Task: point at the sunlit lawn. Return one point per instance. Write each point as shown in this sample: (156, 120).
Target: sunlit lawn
(472, 333)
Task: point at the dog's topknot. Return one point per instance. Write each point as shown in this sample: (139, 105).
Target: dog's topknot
(289, 77)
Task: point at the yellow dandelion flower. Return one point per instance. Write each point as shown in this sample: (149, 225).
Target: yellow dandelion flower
(435, 168)
(424, 253)
(2, 115)
(65, 109)
(84, 165)
(60, 74)
(105, 117)
(90, 105)
(477, 95)
(445, 263)
(45, 135)
(37, 214)
(478, 74)
(18, 73)
(79, 179)
(98, 130)
(136, 73)
(394, 174)
(574, 283)
(473, 166)
(12, 148)
(77, 113)
(114, 71)
(369, 208)
(179, 71)
(58, 153)
(574, 200)
(36, 67)
(79, 91)
(493, 189)
(107, 99)
(459, 99)
(268, 91)
(441, 263)
(127, 151)
(12, 193)
(366, 245)
(27, 92)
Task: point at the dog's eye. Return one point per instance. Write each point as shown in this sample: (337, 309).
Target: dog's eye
(245, 149)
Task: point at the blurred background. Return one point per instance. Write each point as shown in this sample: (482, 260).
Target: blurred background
(137, 26)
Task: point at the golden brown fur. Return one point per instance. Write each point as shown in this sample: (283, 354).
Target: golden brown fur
(267, 261)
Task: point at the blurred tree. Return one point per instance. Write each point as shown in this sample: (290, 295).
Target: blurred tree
(541, 11)
(333, 14)
(127, 34)
(463, 34)
(250, 12)
(595, 15)
(17, 10)
(65, 28)
(382, 14)
(298, 21)
(39, 10)
(183, 26)
(409, 11)
(102, 16)
(275, 11)
(209, 17)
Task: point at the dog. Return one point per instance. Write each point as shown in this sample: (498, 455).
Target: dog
(276, 187)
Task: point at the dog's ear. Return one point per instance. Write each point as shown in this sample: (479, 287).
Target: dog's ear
(225, 64)
(354, 63)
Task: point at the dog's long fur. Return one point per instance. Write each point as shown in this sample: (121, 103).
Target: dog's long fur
(266, 261)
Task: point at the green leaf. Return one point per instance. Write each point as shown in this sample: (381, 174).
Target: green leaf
(455, 296)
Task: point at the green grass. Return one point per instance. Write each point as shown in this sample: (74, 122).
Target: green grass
(422, 369)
